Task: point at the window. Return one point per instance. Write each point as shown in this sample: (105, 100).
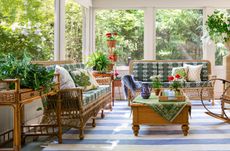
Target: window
(129, 25)
(73, 31)
(178, 34)
(221, 50)
(27, 27)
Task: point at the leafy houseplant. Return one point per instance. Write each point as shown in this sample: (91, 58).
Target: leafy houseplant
(98, 61)
(156, 83)
(31, 75)
(218, 26)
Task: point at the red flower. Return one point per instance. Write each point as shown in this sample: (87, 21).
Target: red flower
(115, 34)
(177, 76)
(111, 57)
(170, 78)
(108, 35)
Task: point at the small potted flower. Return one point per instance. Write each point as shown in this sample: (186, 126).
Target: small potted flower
(111, 39)
(156, 84)
(176, 84)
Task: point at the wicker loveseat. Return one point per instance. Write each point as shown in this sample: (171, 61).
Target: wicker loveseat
(77, 106)
(144, 69)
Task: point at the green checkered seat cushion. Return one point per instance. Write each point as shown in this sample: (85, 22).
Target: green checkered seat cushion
(196, 84)
(72, 67)
(92, 95)
(204, 70)
(142, 71)
(165, 69)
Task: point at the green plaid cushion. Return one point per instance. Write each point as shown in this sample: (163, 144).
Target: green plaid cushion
(204, 70)
(92, 95)
(142, 71)
(196, 84)
(72, 67)
(165, 69)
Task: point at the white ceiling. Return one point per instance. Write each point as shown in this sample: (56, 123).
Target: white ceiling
(160, 3)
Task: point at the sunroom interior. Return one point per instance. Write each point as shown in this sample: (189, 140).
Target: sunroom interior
(145, 31)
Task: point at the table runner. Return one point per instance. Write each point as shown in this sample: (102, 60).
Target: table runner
(168, 110)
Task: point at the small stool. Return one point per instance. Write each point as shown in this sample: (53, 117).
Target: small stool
(117, 83)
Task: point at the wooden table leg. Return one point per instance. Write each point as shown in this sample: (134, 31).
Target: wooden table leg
(59, 119)
(136, 129)
(185, 129)
(17, 128)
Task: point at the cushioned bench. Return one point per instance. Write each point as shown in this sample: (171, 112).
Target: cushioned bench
(144, 69)
(77, 106)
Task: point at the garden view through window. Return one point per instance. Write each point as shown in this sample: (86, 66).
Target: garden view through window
(73, 30)
(129, 25)
(179, 33)
(27, 26)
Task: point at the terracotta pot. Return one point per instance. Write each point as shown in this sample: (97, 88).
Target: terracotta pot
(111, 43)
(113, 57)
(110, 67)
(157, 91)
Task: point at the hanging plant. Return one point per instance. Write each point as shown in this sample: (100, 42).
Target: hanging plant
(218, 26)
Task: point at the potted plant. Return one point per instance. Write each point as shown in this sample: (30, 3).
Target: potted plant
(114, 56)
(156, 84)
(176, 84)
(111, 39)
(99, 61)
(30, 75)
(218, 27)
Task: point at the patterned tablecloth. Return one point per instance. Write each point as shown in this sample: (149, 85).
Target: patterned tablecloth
(168, 110)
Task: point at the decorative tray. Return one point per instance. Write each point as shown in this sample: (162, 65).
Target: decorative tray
(168, 95)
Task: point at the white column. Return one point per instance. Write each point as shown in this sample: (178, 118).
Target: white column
(209, 47)
(59, 30)
(89, 45)
(149, 33)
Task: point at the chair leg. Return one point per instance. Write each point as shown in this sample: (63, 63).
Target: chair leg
(213, 101)
(102, 113)
(81, 134)
(94, 122)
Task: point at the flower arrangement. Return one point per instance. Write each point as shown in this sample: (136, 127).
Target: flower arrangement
(176, 82)
(111, 36)
(218, 26)
(156, 83)
(116, 74)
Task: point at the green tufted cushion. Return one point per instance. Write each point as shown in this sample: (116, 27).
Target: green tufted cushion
(72, 67)
(204, 70)
(165, 69)
(142, 71)
(92, 95)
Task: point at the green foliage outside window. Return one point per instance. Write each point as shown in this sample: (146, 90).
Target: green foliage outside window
(179, 33)
(27, 26)
(129, 26)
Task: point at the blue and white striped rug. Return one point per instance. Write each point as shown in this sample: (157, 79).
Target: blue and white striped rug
(114, 132)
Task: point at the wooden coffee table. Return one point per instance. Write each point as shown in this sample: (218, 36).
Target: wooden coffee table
(145, 115)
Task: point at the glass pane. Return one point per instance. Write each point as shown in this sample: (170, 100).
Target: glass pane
(129, 25)
(221, 50)
(27, 26)
(178, 33)
(73, 31)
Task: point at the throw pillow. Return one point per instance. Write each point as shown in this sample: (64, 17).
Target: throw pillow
(182, 71)
(82, 78)
(66, 82)
(194, 72)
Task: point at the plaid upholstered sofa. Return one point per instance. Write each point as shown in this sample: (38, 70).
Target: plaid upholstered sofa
(144, 69)
(77, 106)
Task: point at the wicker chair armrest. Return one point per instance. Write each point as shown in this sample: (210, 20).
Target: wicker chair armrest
(104, 81)
(212, 77)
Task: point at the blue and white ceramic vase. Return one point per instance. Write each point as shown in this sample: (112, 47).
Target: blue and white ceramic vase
(145, 90)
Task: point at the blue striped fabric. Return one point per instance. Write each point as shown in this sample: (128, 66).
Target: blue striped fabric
(114, 132)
